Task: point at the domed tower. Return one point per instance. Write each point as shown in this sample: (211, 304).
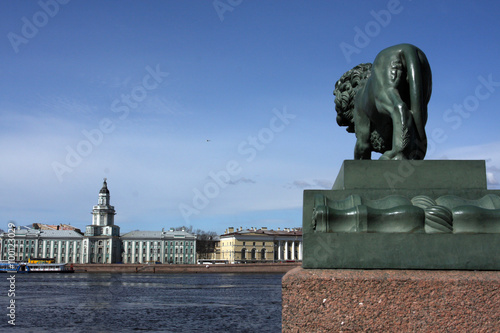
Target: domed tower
(101, 242)
(103, 213)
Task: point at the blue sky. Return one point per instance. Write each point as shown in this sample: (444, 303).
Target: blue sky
(216, 113)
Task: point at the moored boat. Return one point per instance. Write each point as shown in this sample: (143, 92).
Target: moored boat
(23, 267)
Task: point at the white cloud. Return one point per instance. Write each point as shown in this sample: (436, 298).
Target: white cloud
(491, 178)
(312, 184)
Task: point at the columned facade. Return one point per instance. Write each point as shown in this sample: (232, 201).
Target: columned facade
(20, 245)
(288, 250)
(260, 245)
(101, 242)
(166, 247)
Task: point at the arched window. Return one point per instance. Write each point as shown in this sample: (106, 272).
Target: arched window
(243, 254)
(263, 254)
(253, 254)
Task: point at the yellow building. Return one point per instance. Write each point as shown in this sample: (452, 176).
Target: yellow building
(260, 245)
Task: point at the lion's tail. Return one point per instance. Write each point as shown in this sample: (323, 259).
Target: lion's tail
(419, 80)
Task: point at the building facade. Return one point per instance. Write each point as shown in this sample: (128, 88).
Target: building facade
(260, 245)
(101, 242)
(23, 244)
(166, 247)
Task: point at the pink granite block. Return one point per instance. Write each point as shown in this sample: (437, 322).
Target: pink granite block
(339, 300)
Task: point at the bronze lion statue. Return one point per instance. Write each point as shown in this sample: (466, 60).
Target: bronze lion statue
(385, 104)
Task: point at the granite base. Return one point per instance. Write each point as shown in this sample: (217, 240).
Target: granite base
(342, 300)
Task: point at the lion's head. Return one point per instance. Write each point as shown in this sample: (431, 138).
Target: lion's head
(345, 91)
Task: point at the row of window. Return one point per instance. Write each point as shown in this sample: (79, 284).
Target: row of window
(100, 242)
(56, 246)
(40, 245)
(244, 243)
(32, 242)
(32, 250)
(177, 250)
(170, 260)
(25, 256)
(27, 242)
(253, 254)
(187, 243)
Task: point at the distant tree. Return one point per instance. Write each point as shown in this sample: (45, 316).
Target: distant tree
(186, 229)
(205, 243)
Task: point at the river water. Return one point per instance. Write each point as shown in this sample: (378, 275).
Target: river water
(86, 302)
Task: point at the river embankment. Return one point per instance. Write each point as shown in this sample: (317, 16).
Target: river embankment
(175, 269)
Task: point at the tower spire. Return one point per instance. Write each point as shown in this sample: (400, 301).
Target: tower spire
(104, 189)
(103, 212)
(102, 235)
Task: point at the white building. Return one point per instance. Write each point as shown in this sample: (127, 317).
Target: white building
(101, 242)
(22, 244)
(173, 247)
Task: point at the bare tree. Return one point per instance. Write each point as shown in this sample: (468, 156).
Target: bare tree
(205, 243)
(186, 229)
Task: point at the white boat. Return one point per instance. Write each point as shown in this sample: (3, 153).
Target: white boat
(23, 267)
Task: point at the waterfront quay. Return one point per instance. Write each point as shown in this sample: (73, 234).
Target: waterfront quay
(176, 269)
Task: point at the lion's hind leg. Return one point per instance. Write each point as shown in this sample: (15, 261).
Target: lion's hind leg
(362, 149)
(401, 124)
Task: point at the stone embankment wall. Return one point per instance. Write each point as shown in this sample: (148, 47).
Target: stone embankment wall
(170, 269)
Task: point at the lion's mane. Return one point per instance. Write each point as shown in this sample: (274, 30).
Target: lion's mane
(345, 91)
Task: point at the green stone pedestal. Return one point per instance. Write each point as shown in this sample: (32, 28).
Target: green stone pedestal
(365, 190)
(408, 174)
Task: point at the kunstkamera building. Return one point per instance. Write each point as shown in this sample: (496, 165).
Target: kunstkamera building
(101, 243)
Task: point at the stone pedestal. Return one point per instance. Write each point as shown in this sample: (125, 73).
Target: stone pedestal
(404, 215)
(342, 300)
(395, 247)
